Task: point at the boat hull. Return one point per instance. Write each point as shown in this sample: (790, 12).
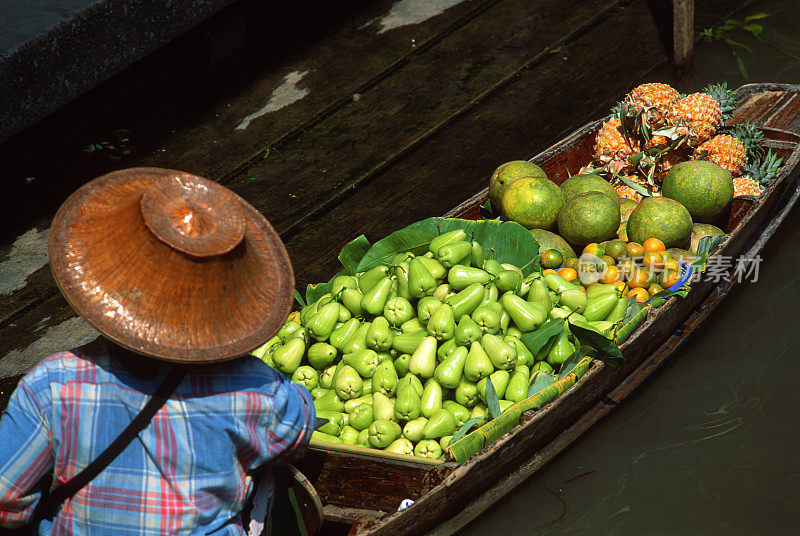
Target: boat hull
(364, 490)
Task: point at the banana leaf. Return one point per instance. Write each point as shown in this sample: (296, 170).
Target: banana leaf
(536, 340)
(475, 441)
(353, 252)
(315, 292)
(607, 351)
(383, 251)
(503, 241)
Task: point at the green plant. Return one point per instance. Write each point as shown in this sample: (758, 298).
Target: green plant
(731, 28)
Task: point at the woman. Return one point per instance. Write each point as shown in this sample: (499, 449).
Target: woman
(182, 278)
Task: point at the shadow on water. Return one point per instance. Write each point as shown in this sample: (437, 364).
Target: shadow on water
(709, 445)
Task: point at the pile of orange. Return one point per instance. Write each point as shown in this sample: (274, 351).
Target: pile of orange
(639, 270)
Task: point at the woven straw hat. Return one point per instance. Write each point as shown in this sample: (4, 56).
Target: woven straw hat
(171, 265)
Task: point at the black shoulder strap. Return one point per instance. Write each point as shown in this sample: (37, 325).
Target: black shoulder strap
(50, 504)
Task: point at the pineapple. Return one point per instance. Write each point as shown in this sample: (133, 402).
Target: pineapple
(627, 192)
(733, 149)
(668, 161)
(658, 142)
(725, 151)
(654, 102)
(698, 116)
(759, 173)
(611, 148)
(745, 186)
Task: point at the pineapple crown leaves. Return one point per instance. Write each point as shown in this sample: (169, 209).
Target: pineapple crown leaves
(633, 122)
(751, 137)
(616, 109)
(635, 186)
(764, 170)
(725, 97)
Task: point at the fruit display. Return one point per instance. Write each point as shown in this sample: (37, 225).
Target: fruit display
(667, 162)
(654, 129)
(401, 356)
(448, 323)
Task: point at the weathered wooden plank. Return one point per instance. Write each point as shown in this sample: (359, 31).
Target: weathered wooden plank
(755, 107)
(787, 117)
(562, 91)
(40, 331)
(197, 131)
(372, 41)
(462, 65)
(358, 481)
(339, 514)
(352, 145)
(7, 386)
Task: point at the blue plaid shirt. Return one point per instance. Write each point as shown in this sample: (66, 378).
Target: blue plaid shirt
(186, 473)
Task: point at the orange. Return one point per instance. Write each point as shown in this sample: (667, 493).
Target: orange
(639, 279)
(551, 258)
(653, 244)
(635, 249)
(621, 286)
(672, 264)
(549, 271)
(572, 263)
(654, 289)
(594, 249)
(640, 294)
(568, 273)
(534, 202)
(626, 267)
(669, 278)
(652, 260)
(616, 249)
(612, 275)
(609, 260)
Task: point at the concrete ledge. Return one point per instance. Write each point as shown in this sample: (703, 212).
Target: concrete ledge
(52, 51)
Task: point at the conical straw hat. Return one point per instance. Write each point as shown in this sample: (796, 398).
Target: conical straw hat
(171, 265)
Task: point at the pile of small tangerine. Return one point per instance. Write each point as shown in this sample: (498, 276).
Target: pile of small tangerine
(639, 270)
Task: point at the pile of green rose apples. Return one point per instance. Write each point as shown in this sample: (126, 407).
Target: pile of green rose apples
(400, 357)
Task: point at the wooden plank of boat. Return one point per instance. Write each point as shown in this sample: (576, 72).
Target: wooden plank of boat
(448, 495)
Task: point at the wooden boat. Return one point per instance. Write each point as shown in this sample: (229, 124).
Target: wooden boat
(361, 492)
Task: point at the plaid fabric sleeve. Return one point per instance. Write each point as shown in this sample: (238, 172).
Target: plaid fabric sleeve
(291, 422)
(25, 454)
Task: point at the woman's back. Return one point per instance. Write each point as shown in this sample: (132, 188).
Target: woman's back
(187, 472)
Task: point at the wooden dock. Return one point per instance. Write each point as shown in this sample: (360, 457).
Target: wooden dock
(360, 119)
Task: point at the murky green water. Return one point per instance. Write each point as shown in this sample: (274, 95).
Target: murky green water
(710, 444)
